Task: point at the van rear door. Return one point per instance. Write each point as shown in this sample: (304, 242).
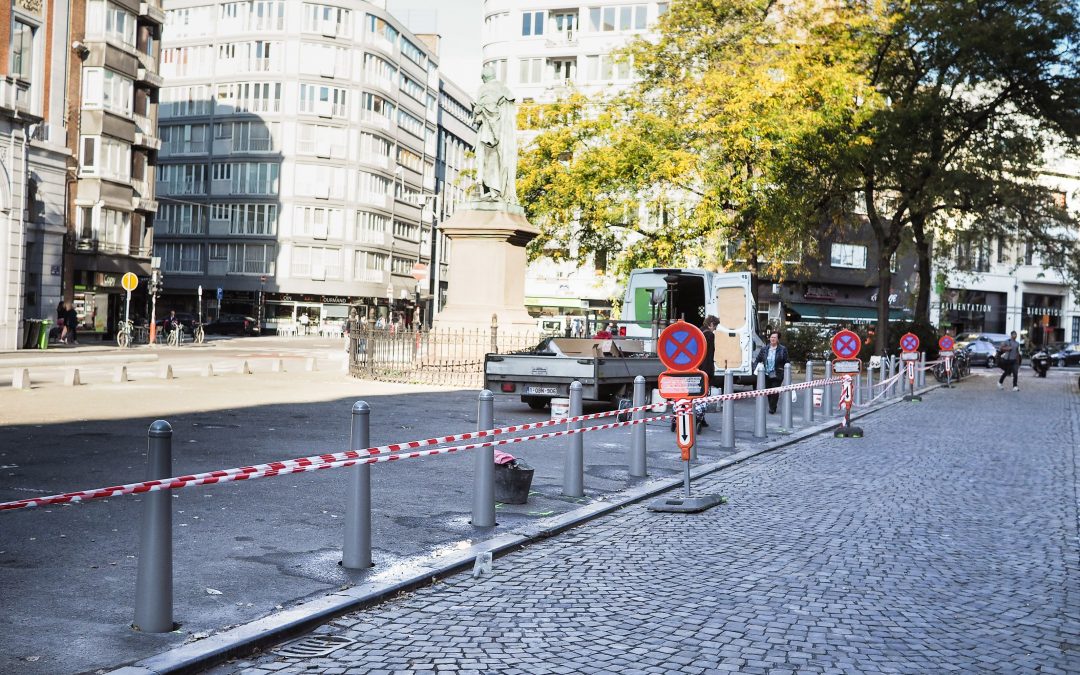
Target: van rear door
(733, 304)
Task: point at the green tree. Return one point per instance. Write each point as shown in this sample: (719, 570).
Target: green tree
(976, 94)
(695, 161)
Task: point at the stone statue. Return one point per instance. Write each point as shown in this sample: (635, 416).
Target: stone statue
(496, 147)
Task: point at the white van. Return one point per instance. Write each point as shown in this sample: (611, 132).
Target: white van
(698, 293)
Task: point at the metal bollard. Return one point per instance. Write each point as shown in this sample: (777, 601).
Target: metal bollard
(869, 384)
(356, 553)
(574, 464)
(808, 400)
(857, 398)
(759, 405)
(826, 399)
(785, 399)
(884, 375)
(483, 510)
(727, 437)
(894, 369)
(154, 581)
(637, 461)
(920, 377)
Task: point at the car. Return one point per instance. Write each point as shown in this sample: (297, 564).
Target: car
(1069, 355)
(232, 324)
(982, 353)
(964, 339)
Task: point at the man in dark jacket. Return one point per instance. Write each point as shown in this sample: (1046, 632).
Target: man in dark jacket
(773, 357)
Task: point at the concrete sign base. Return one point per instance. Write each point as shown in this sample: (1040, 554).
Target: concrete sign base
(692, 504)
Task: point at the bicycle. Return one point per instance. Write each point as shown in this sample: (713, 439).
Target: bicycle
(123, 334)
(199, 335)
(176, 336)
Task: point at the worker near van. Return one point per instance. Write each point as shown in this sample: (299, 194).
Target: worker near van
(708, 364)
(773, 357)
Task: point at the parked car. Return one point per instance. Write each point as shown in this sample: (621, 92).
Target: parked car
(965, 339)
(1068, 355)
(232, 324)
(982, 353)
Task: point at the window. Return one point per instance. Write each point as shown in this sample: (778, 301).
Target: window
(317, 263)
(320, 181)
(381, 31)
(371, 227)
(410, 159)
(532, 23)
(373, 188)
(604, 67)
(267, 15)
(255, 97)
(324, 60)
(530, 71)
(500, 68)
(321, 141)
(183, 139)
(247, 136)
(371, 266)
(379, 70)
(103, 88)
(106, 157)
(251, 219)
(322, 100)
(319, 223)
(376, 109)
(848, 255)
(22, 50)
(254, 178)
(114, 23)
(410, 124)
(181, 218)
(412, 88)
(250, 258)
(496, 26)
(329, 21)
(180, 257)
(181, 179)
(620, 18)
(185, 101)
(413, 53)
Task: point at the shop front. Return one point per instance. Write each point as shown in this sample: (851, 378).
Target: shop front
(327, 314)
(1042, 318)
(100, 303)
(973, 311)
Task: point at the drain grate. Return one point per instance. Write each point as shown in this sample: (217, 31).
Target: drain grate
(312, 646)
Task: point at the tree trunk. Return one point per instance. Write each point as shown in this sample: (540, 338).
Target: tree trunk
(884, 289)
(922, 246)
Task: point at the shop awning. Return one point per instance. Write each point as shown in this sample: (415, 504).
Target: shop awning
(807, 312)
(544, 301)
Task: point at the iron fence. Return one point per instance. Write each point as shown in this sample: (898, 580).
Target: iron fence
(444, 356)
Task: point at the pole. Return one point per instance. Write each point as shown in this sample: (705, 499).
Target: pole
(727, 438)
(759, 405)
(127, 311)
(484, 471)
(154, 580)
(826, 398)
(198, 316)
(808, 400)
(637, 461)
(357, 549)
(574, 465)
(785, 399)
(869, 383)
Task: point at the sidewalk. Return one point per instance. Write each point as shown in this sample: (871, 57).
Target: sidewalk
(923, 547)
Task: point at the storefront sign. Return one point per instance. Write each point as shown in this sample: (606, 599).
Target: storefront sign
(1042, 311)
(965, 307)
(105, 280)
(893, 297)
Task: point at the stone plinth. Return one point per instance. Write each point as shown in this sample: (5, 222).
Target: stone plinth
(487, 268)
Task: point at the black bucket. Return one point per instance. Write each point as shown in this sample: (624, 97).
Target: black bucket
(512, 482)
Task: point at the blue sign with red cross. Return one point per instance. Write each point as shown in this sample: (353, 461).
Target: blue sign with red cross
(846, 345)
(681, 346)
(946, 342)
(909, 342)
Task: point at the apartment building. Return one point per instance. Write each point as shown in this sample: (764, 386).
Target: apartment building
(297, 173)
(34, 57)
(113, 86)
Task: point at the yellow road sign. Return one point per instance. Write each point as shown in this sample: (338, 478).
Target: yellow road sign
(129, 281)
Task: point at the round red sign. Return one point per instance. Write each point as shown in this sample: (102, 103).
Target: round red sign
(681, 346)
(909, 342)
(946, 342)
(846, 345)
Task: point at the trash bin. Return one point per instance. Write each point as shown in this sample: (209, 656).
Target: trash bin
(43, 340)
(512, 482)
(33, 332)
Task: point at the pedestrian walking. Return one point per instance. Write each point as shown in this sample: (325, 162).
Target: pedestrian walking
(71, 320)
(1009, 357)
(773, 357)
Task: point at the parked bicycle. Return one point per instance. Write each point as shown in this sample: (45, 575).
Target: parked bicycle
(199, 334)
(961, 368)
(124, 333)
(176, 335)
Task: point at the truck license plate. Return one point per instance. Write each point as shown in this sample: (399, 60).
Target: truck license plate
(548, 391)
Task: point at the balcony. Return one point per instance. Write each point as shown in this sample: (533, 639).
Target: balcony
(149, 77)
(14, 94)
(92, 245)
(147, 61)
(566, 38)
(152, 11)
(147, 139)
(140, 203)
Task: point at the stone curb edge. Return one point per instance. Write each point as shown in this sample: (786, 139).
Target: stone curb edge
(210, 651)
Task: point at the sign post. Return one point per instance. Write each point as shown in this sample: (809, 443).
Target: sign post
(909, 355)
(681, 348)
(945, 351)
(129, 282)
(846, 346)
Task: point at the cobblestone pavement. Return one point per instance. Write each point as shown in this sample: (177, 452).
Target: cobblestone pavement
(944, 541)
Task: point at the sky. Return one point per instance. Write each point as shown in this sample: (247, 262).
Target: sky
(459, 23)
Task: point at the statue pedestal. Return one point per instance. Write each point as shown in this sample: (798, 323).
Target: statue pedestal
(487, 270)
